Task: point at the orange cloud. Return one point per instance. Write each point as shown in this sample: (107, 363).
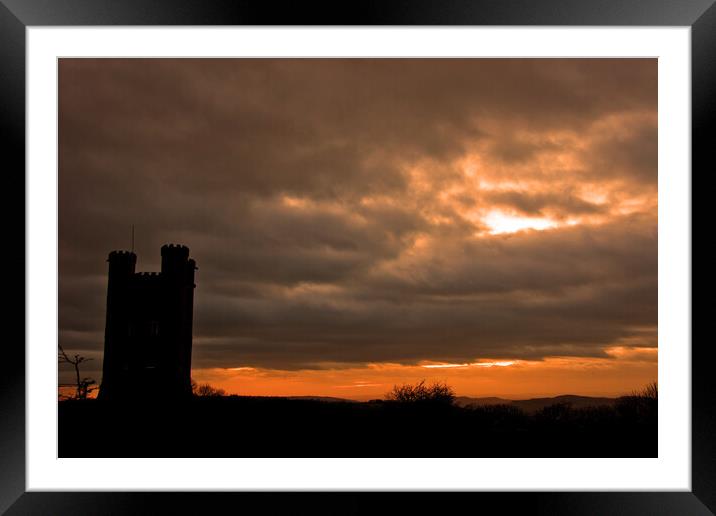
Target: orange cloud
(402, 212)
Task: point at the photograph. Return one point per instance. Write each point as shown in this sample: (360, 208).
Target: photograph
(357, 257)
(314, 259)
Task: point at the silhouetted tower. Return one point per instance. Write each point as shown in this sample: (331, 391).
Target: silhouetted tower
(148, 334)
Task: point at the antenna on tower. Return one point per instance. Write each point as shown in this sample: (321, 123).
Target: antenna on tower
(132, 237)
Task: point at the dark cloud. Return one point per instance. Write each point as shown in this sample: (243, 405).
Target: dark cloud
(338, 209)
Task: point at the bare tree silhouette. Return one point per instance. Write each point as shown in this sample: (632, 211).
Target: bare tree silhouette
(438, 392)
(83, 386)
(206, 389)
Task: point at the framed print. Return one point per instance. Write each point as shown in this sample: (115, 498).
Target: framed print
(416, 248)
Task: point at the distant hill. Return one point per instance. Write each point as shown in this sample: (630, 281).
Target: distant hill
(466, 401)
(534, 404)
(529, 405)
(329, 399)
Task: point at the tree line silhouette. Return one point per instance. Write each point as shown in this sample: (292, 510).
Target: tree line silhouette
(413, 420)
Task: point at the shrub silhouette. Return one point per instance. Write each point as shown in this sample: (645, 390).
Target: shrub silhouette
(438, 392)
(640, 405)
(650, 392)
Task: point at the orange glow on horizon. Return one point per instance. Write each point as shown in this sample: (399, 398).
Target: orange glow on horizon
(623, 370)
(68, 392)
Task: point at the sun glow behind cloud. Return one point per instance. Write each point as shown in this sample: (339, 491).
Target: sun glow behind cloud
(500, 222)
(501, 363)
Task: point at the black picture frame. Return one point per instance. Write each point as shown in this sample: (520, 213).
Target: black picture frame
(17, 15)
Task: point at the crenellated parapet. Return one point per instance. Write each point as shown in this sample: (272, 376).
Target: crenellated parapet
(119, 254)
(121, 258)
(175, 251)
(147, 278)
(148, 274)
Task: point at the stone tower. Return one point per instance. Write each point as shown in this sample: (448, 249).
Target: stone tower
(148, 333)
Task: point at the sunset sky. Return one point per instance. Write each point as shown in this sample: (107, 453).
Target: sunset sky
(359, 223)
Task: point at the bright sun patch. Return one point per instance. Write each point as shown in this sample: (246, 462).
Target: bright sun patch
(499, 363)
(499, 222)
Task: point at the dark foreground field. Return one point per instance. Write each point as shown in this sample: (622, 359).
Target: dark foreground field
(236, 426)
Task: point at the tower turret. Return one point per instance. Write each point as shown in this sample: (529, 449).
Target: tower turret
(178, 272)
(174, 259)
(117, 330)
